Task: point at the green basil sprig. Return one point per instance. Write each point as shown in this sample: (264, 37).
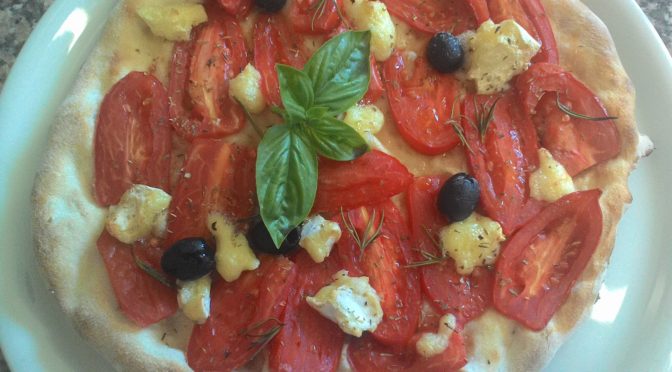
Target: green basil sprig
(335, 78)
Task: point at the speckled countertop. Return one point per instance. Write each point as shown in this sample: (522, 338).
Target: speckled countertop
(18, 17)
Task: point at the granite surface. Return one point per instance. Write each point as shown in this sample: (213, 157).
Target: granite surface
(18, 17)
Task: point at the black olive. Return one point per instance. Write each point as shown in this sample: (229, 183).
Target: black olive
(260, 239)
(445, 53)
(458, 197)
(188, 259)
(270, 6)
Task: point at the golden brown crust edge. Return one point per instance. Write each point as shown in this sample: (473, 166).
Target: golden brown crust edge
(67, 222)
(587, 50)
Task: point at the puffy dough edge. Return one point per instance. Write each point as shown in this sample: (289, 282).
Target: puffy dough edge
(67, 222)
(588, 51)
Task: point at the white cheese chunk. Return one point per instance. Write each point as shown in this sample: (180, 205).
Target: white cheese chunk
(194, 298)
(364, 118)
(318, 236)
(432, 344)
(373, 16)
(472, 242)
(550, 181)
(141, 210)
(497, 53)
(234, 254)
(349, 302)
(173, 19)
(246, 88)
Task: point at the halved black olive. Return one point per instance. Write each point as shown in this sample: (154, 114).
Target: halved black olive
(189, 259)
(270, 6)
(260, 239)
(459, 196)
(445, 53)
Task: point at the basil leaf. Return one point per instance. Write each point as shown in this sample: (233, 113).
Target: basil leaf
(286, 180)
(334, 139)
(296, 90)
(340, 71)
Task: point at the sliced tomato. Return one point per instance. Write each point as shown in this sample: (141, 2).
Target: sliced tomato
(199, 81)
(376, 88)
(236, 7)
(421, 102)
(243, 315)
(308, 341)
(372, 178)
(496, 160)
(431, 16)
(501, 10)
(133, 138)
(315, 16)
(384, 261)
(577, 144)
(143, 299)
(275, 43)
(465, 296)
(539, 265)
(539, 18)
(217, 177)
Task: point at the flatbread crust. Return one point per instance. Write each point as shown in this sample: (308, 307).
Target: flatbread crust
(67, 221)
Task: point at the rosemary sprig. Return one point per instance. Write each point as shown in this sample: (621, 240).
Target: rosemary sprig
(429, 259)
(146, 267)
(564, 108)
(263, 338)
(431, 237)
(318, 10)
(454, 122)
(368, 237)
(484, 116)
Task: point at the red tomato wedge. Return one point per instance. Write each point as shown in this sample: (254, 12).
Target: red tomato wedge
(497, 160)
(465, 296)
(537, 15)
(133, 138)
(275, 43)
(243, 315)
(308, 341)
(539, 265)
(217, 177)
(577, 144)
(383, 261)
(315, 16)
(421, 103)
(236, 7)
(203, 71)
(376, 88)
(370, 179)
(431, 16)
(143, 299)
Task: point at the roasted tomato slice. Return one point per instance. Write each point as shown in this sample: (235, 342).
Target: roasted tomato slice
(143, 299)
(372, 178)
(421, 103)
(539, 18)
(308, 341)
(244, 316)
(216, 55)
(236, 7)
(376, 88)
(455, 16)
(275, 43)
(577, 144)
(539, 265)
(501, 10)
(384, 261)
(497, 161)
(465, 296)
(217, 177)
(315, 16)
(133, 138)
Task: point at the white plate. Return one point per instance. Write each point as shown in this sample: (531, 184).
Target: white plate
(630, 328)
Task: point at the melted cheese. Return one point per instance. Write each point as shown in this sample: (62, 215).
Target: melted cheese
(318, 237)
(497, 53)
(432, 344)
(193, 298)
(141, 210)
(550, 181)
(246, 88)
(349, 302)
(234, 254)
(472, 242)
(373, 16)
(172, 19)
